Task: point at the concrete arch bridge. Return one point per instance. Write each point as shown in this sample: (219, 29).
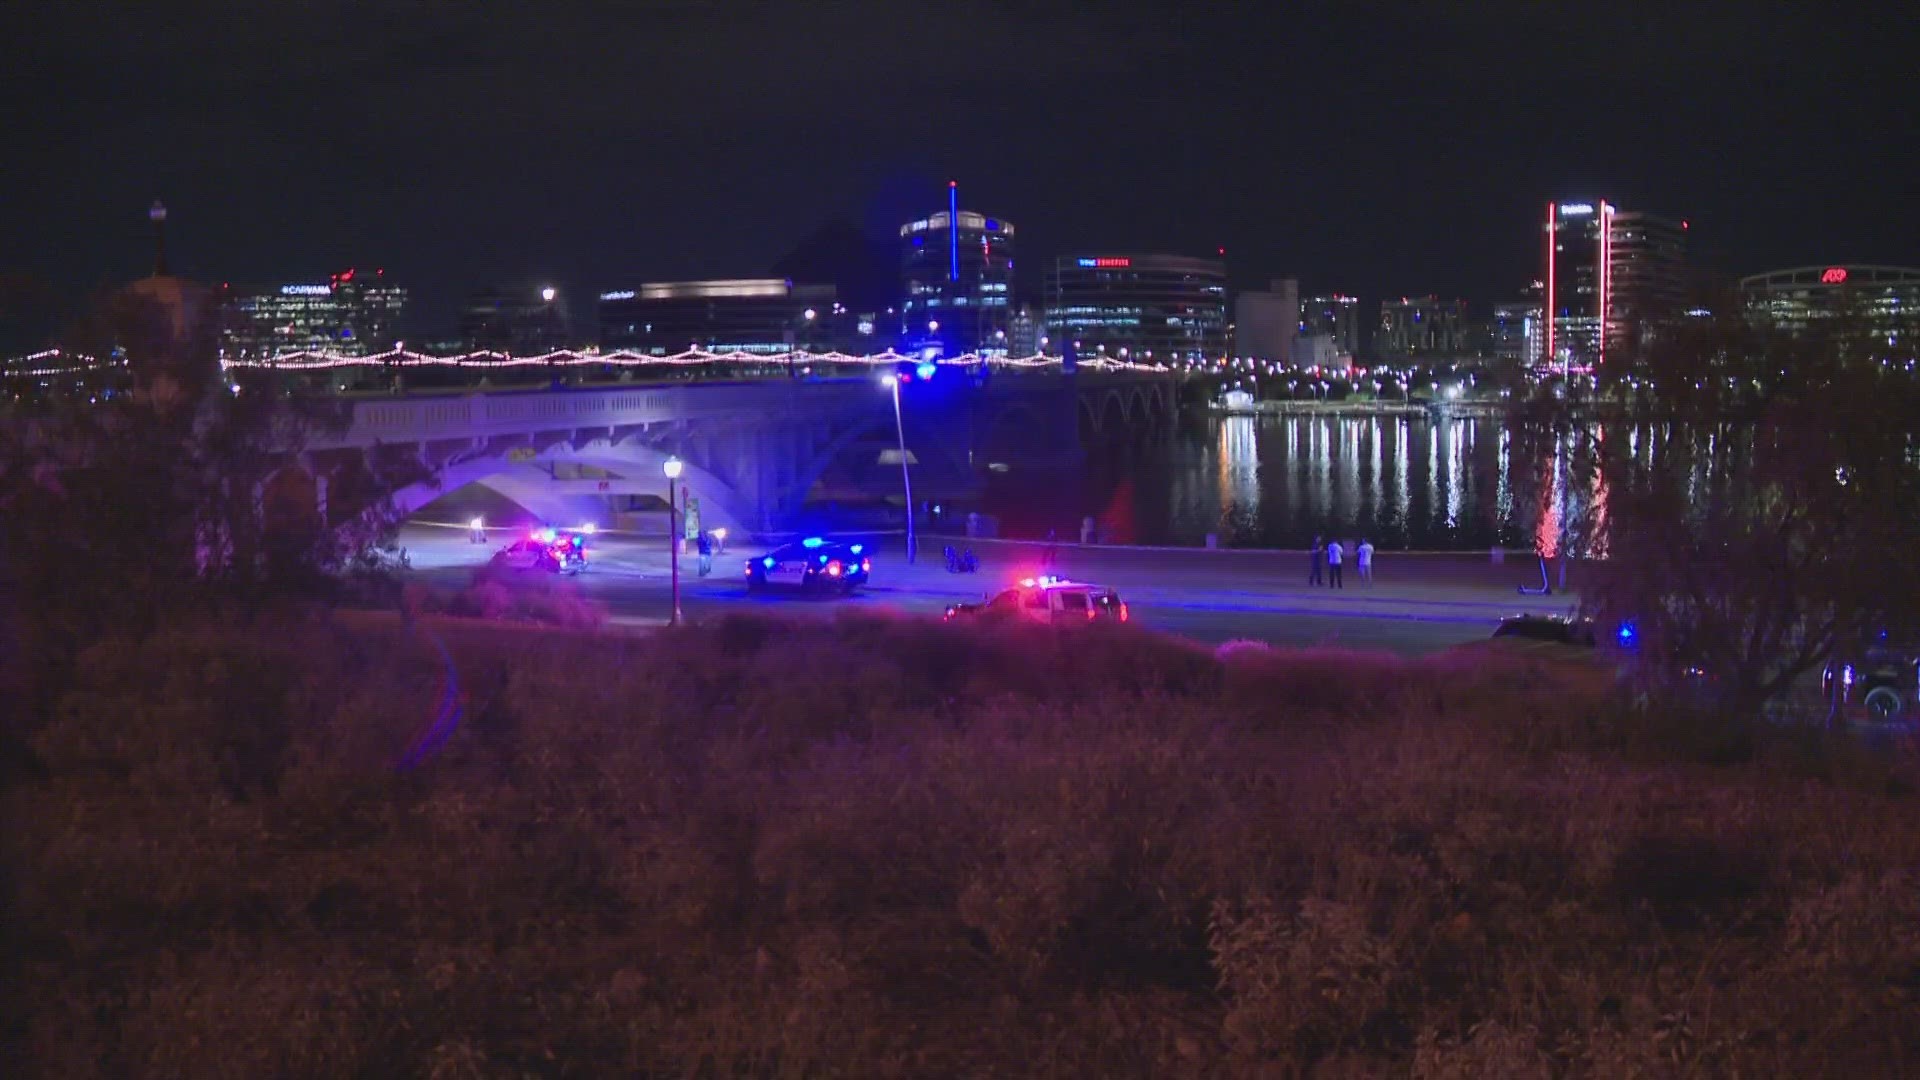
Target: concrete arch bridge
(752, 451)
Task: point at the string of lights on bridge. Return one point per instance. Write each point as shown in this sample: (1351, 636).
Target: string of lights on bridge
(57, 362)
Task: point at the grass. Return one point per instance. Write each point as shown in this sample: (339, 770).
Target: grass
(902, 848)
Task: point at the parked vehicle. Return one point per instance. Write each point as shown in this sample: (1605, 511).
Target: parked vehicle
(1048, 600)
(813, 565)
(1878, 682)
(551, 550)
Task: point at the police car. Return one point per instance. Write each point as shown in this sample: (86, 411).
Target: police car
(812, 565)
(1052, 601)
(556, 551)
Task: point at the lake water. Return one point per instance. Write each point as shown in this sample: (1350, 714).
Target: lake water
(1277, 481)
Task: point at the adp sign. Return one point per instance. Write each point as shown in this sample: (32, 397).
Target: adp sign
(1834, 275)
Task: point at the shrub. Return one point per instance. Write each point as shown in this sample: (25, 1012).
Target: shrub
(546, 602)
(886, 847)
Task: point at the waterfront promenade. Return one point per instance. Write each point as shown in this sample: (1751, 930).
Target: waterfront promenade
(1418, 603)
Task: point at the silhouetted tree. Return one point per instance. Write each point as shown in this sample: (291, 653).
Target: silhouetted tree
(117, 515)
(1781, 519)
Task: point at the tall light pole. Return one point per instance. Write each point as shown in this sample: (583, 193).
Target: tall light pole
(906, 480)
(547, 335)
(806, 340)
(672, 468)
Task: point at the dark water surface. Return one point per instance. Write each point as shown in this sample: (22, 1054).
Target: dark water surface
(1454, 484)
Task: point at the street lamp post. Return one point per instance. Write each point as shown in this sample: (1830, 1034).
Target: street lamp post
(672, 468)
(547, 294)
(806, 342)
(906, 480)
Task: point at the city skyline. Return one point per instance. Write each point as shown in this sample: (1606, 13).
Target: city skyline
(548, 159)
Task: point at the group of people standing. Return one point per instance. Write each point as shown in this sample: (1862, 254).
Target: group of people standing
(1328, 562)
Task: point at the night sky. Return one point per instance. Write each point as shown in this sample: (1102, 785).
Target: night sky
(1376, 149)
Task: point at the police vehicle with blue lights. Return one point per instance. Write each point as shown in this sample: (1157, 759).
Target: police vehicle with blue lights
(812, 565)
(556, 551)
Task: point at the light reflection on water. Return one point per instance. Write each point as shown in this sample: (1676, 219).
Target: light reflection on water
(1277, 481)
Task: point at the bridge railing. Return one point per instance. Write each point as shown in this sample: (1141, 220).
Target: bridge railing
(483, 362)
(457, 415)
(405, 370)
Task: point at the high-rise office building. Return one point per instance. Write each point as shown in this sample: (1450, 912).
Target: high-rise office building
(1873, 308)
(1574, 290)
(1158, 307)
(1612, 277)
(956, 269)
(353, 313)
(1336, 316)
(522, 322)
(1647, 281)
(1265, 323)
(1421, 326)
(1513, 331)
(754, 315)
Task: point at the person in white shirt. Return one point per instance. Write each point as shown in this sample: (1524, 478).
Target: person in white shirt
(1334, 552)
(1363, 558)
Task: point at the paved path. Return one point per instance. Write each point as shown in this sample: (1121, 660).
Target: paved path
(1418, 603)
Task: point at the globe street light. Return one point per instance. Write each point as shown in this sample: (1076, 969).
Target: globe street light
(672, 468)
(906, 480)
(547, 294)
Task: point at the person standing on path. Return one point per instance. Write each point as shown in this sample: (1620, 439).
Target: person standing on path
(1363, 559)
(1316, 559)
(1334, 552)
(706, 553)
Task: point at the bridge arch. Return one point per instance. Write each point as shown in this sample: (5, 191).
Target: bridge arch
(1113, 413)
(859, 431)
(720, 503)
(1157, 399)
(532, 488)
